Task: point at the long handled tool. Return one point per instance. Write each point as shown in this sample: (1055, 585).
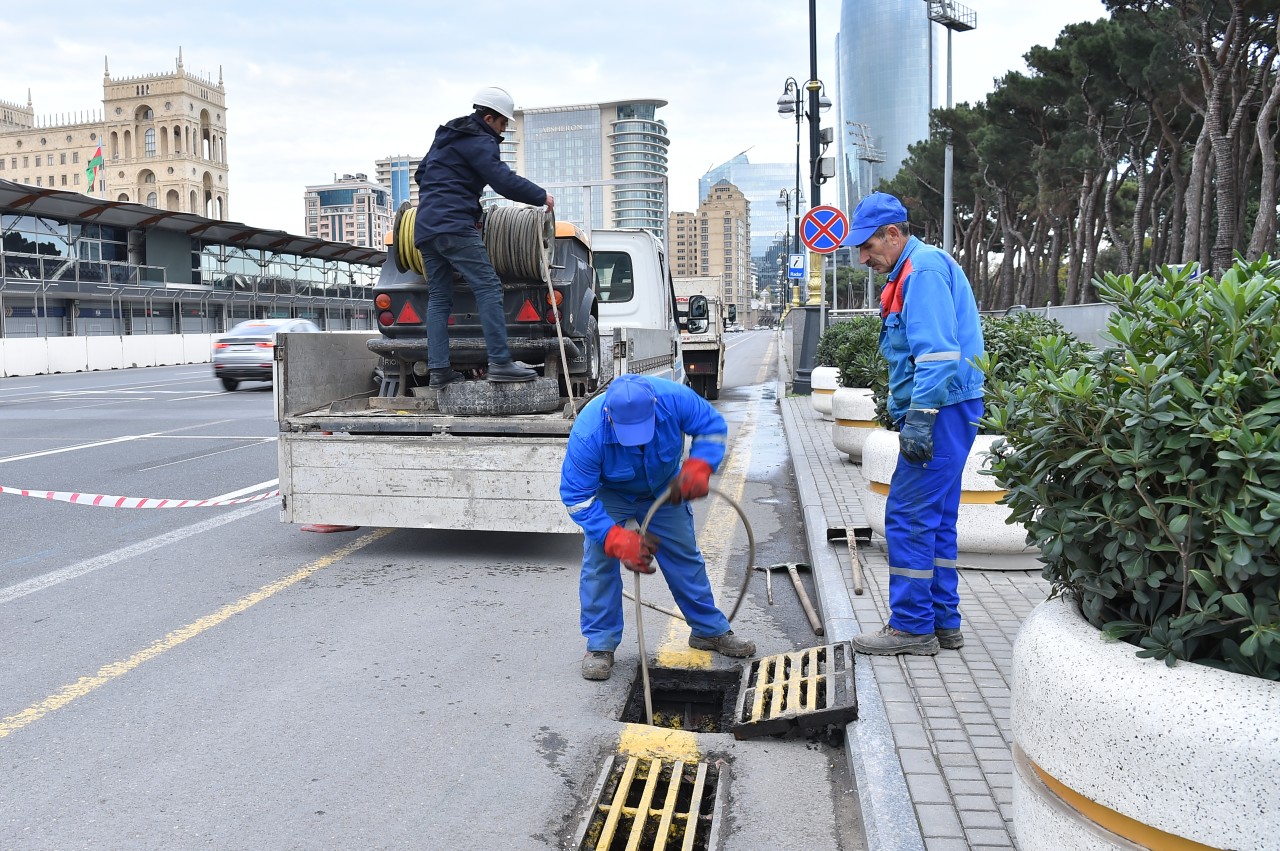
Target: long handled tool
(794, 568)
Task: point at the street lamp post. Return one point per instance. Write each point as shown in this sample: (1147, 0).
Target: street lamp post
(787, 198)
(955, 18)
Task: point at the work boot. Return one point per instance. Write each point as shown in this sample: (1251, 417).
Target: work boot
(949, 639)
(511, 372)
(441, 377)
(597, 665)
(727, 644)
(895, 642)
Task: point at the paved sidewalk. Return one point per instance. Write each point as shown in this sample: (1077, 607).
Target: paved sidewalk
(932, 731)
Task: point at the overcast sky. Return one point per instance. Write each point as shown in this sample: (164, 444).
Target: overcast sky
(319, 88)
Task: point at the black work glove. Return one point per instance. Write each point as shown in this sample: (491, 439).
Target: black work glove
(916, 439)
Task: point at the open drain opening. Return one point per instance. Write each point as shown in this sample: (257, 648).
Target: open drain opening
(697, 701)
(645, 804)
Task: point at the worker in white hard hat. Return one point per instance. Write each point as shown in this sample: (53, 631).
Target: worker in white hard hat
(464, 158)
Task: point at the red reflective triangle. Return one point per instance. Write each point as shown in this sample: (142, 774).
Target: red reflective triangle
(528, 313)
(408, 316)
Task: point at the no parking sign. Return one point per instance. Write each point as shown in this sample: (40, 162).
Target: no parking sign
(823, 229)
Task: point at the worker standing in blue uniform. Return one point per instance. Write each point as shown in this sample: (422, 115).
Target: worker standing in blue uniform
(625, 450)
(930, 334)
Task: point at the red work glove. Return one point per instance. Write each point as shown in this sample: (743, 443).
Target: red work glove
(633, 550)
(693, 481)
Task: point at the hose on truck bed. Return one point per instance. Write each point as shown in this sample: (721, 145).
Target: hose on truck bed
(521, 242)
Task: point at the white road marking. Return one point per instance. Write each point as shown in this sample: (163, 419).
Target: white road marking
(123, 439)
(260, 486)
(48, 580)
(259, 442)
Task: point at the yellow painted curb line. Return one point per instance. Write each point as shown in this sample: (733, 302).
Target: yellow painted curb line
(966, 497)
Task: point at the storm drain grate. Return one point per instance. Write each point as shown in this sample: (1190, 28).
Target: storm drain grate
(649, 804)
(807, 689)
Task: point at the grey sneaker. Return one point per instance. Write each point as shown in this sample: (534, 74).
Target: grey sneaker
(511, 372)
(441, 377)
(949, 639)
(597, 665)
(727, 644)
(894, 642)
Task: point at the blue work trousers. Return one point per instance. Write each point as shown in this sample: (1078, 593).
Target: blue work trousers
(464, 253)
(920, 526)
(679, 559)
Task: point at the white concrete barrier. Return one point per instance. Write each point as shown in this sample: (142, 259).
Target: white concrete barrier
(854, 412)
(981, 526)
(1112, 750)
(823, 381)
(45, 355)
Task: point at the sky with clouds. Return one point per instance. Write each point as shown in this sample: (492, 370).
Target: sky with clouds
(319, 88)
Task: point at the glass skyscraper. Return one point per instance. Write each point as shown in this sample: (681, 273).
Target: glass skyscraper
(885, 56)
(761, 183)
(611, 157)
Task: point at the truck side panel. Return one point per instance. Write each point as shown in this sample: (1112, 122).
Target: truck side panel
(423, 481)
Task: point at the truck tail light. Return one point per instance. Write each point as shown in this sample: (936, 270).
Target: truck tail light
(408, 316)
(555, 298)
(385, 318)
(382, 302)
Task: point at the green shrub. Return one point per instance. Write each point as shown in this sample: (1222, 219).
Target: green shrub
(1149, 474)
(853, 346)
(1010, 342)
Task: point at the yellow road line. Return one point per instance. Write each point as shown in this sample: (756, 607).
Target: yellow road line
(115, 670)
(717, 532)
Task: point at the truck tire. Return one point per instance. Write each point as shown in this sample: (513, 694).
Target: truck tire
(710, 388)
(486, 398)
(594, 372)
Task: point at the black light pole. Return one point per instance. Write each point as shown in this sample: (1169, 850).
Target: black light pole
(790, 103)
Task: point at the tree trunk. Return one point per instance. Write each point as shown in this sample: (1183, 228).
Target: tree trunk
(1263, 238)
(1195, 197)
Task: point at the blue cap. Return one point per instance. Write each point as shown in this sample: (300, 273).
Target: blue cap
(875, 210)
(631, 406)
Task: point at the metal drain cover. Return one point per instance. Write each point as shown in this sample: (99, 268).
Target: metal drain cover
(804, 689)
(645, 804)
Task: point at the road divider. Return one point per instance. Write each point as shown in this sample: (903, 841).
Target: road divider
(101, 500)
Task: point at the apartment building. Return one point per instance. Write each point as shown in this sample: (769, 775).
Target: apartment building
(352, 209)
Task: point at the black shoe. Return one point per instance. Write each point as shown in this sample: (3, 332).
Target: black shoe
(441, 377)
(510, 372)
(597, 665)
(949, 639)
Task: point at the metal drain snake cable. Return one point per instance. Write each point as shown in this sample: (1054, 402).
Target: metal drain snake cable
(742, 594)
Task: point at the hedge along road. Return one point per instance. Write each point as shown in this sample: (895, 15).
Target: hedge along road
(219, 678)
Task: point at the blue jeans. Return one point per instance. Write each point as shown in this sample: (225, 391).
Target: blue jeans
(464, 253)
(679, 559)
(920, 526)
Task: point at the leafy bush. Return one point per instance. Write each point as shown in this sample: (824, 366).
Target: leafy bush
(853, 346)
(1010, 342)
(1149, 474)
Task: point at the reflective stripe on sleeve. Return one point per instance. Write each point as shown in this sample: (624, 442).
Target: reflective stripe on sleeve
(581, 506)
(711, 438)
(938, 356)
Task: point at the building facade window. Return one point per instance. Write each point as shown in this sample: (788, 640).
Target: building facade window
(149, 141)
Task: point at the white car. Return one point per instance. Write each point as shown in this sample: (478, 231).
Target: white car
(246, 352)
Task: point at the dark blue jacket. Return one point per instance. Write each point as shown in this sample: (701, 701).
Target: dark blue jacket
(463, 160)
(597, 461)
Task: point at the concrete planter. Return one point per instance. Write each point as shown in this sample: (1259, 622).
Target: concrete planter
(823, 382)
(982, 526)
(854, 412)
(1112, 750)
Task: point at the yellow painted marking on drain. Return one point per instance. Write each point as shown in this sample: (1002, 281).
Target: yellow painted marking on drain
(722, 523)
(115, 670)
(966, 497)
(659, 743)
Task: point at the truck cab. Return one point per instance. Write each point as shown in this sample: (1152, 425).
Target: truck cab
(635, 293)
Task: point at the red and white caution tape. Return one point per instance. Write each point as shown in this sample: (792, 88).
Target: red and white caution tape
(106, 501)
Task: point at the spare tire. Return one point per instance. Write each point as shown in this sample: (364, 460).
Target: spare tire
(488, 398)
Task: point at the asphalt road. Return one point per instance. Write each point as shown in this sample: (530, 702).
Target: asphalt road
(209, 677)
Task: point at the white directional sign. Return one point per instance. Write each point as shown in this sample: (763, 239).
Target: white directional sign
(795, 268)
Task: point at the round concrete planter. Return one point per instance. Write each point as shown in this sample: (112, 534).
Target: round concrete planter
(854, 412)
(1107, 745)
(981, 527)
(823, 382)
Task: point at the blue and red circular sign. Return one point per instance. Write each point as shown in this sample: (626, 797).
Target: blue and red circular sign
(823, 229)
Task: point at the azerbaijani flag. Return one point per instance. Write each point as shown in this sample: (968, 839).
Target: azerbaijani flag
(95, 163)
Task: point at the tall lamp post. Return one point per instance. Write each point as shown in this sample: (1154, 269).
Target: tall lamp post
(955, 18)
(786, 199)
(820, 168)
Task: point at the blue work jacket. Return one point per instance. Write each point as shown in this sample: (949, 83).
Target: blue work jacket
(463, 159)
(930, 331)
(596, 460)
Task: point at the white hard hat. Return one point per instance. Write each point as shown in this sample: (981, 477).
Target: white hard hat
(496, 99)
